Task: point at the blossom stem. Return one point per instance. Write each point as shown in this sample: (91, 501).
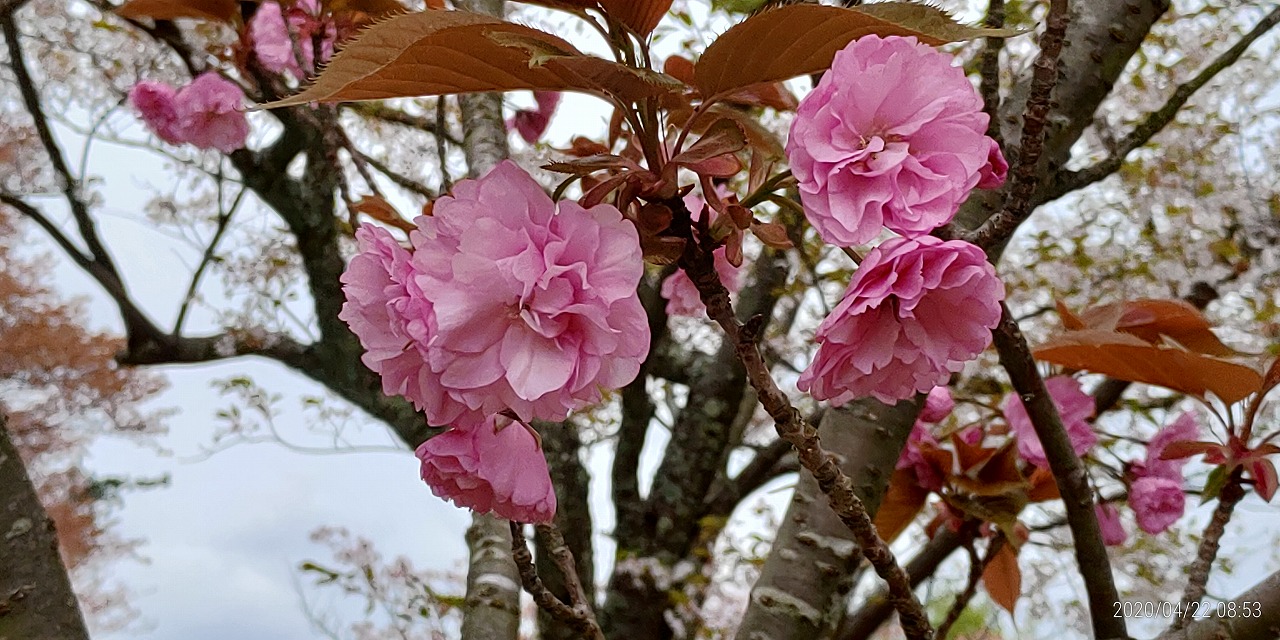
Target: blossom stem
(1068, 472)
(579, 616)
(791, 426)
(1198, 573)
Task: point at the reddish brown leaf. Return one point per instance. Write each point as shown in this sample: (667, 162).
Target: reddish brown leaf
(219, 10)
(733, 248)
(375, 8)
(581, 147)
(1070, 321)
(1272, 378)
(1044, 487)
(721, 138)
(1186, 449)
(379, 209)
(679, 67)
(799, 39)
(996, 473)
(775, 96)
(449, 52)
(1128, 357)
(592, 164)
(772, 235)
(1003, 579)
(653, 219)
(661, 250)
(1150, 319)
(902, 503)
(1264, 478)
(641, 16)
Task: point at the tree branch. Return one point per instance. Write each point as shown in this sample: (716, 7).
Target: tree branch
(793, 428)
(976, 566)
(1068, 471)
(989, 84)
(1198, 572)
(1018, 205)
(1067, 181)
(1263, 601)
(578, 616)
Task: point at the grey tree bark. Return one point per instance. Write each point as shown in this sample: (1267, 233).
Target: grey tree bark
(36, 600)
(803, 586)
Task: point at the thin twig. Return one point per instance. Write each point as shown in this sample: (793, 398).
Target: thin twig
(574, 616)
(977, 564)
(224, 220)
(791, 426)
(1068, 472)
(1067, 181)
(1198, 572)
(1026, 178)
(400, 179)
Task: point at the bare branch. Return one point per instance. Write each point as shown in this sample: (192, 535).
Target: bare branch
(579, 615)
(793, 428)
(976, 566)
(1198, 572)
(1018, 206)
(1068, 471)
(1067, 181)
(989, 85)
(224, 220)
(1262, 602)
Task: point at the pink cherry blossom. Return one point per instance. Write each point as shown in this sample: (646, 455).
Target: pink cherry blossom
(157, 103)
(913, 458)
(532, 123)
(993, 175)
(1113, 533)
(680, 292)
(937, 405)
(1184, 428)
(494, 467)
(536, 308)
(273, 42)
(393, 319)
(893, 136)
(211, 113)
(1074, 405)
(914, 313)
(1157, 502)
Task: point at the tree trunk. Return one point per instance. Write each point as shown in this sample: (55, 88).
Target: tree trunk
(493, 584)
(36, 600)
(803, 586)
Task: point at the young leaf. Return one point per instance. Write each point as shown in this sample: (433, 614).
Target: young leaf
(902, 502)
(1044, 486)
(641, 16)
(1150, 319)
(799, 39)
(219, 10)
(1264, 478)
(1127, 357)
(379, 209)
(1003, 578)
(1186, 449)
(436, 53)
(723, 137)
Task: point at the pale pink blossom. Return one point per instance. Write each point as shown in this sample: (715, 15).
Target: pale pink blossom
(681, 294)
(1113, 533)
(393, 319)
(914, 313)
(495, 467)
(157, 103)
(913, 458)
(536, 308)
(1185, 428)
(892, 136)
(937, 405)
(1074, 405)
(273, 38)
(211, 113)
(532, 123)
(1157, 502)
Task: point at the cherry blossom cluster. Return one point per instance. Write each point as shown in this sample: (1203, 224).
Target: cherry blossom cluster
(894, 137)
(275, 29)
(509, 308)
(207, 113)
